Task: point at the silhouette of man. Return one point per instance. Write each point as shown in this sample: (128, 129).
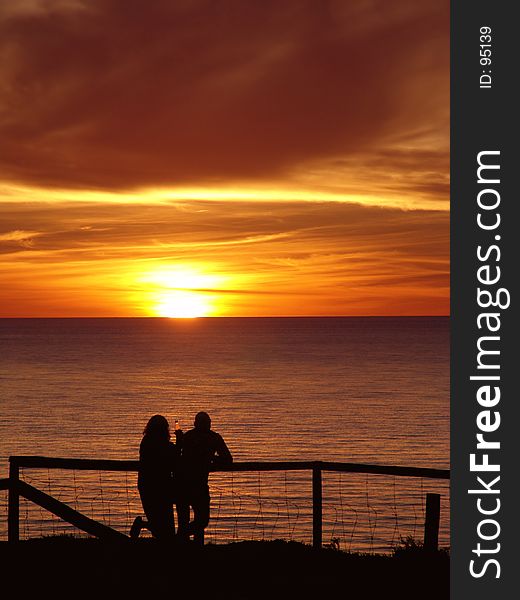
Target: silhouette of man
(201, 450)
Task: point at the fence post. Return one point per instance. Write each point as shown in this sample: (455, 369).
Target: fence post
(317, 507)
(13, 506)
(431, 523)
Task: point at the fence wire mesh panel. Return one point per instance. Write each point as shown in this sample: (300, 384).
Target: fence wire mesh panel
(3, 515)
(260, 506)
(109, 497)
(374, 513)
(361, 512)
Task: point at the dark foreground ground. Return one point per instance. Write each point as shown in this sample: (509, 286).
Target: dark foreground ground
(79, 568)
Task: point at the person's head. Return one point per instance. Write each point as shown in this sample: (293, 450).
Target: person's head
(157, 427)
(202, 421)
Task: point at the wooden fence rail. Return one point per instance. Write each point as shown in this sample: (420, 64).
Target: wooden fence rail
(19, 488)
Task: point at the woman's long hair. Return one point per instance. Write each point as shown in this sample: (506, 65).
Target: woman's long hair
(157, 428)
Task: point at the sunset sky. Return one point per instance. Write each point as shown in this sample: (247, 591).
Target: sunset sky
(230, 158)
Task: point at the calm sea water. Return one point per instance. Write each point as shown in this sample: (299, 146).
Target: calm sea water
(371, 390)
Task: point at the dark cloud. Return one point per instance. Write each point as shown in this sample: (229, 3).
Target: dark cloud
(125, 93)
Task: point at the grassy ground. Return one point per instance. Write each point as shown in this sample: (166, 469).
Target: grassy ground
(78, 568)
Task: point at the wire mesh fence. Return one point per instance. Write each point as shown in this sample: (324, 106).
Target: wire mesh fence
(3, 514)
(362, 512)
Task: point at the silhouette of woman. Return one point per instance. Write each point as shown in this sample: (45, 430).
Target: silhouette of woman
(158, 458)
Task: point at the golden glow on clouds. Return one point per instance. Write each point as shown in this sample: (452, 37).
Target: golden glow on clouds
(281, 193)
(221, 258)
(180, 278)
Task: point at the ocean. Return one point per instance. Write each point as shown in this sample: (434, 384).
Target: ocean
(365, 390)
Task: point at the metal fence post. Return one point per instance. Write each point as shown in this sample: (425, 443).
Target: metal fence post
(317, 507)
(13, 506)
(431, 523)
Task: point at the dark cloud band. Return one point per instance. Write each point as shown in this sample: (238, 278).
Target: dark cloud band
(117, 94)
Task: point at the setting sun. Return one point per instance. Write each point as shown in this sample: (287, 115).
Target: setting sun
(182, 305)
(180, 293)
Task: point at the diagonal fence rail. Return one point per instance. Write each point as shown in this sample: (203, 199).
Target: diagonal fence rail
(17, 489)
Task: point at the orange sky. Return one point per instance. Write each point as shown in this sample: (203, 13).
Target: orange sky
(235, 158)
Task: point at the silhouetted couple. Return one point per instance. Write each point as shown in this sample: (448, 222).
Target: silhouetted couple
(178, 474)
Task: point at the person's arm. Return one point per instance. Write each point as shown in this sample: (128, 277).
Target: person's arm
(223, 456)
(179, 437)
(172, 456)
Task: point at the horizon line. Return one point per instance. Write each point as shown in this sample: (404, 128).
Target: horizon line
(242, 317)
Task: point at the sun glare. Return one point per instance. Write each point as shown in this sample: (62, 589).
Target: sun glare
(182, 305)
(180, 293)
